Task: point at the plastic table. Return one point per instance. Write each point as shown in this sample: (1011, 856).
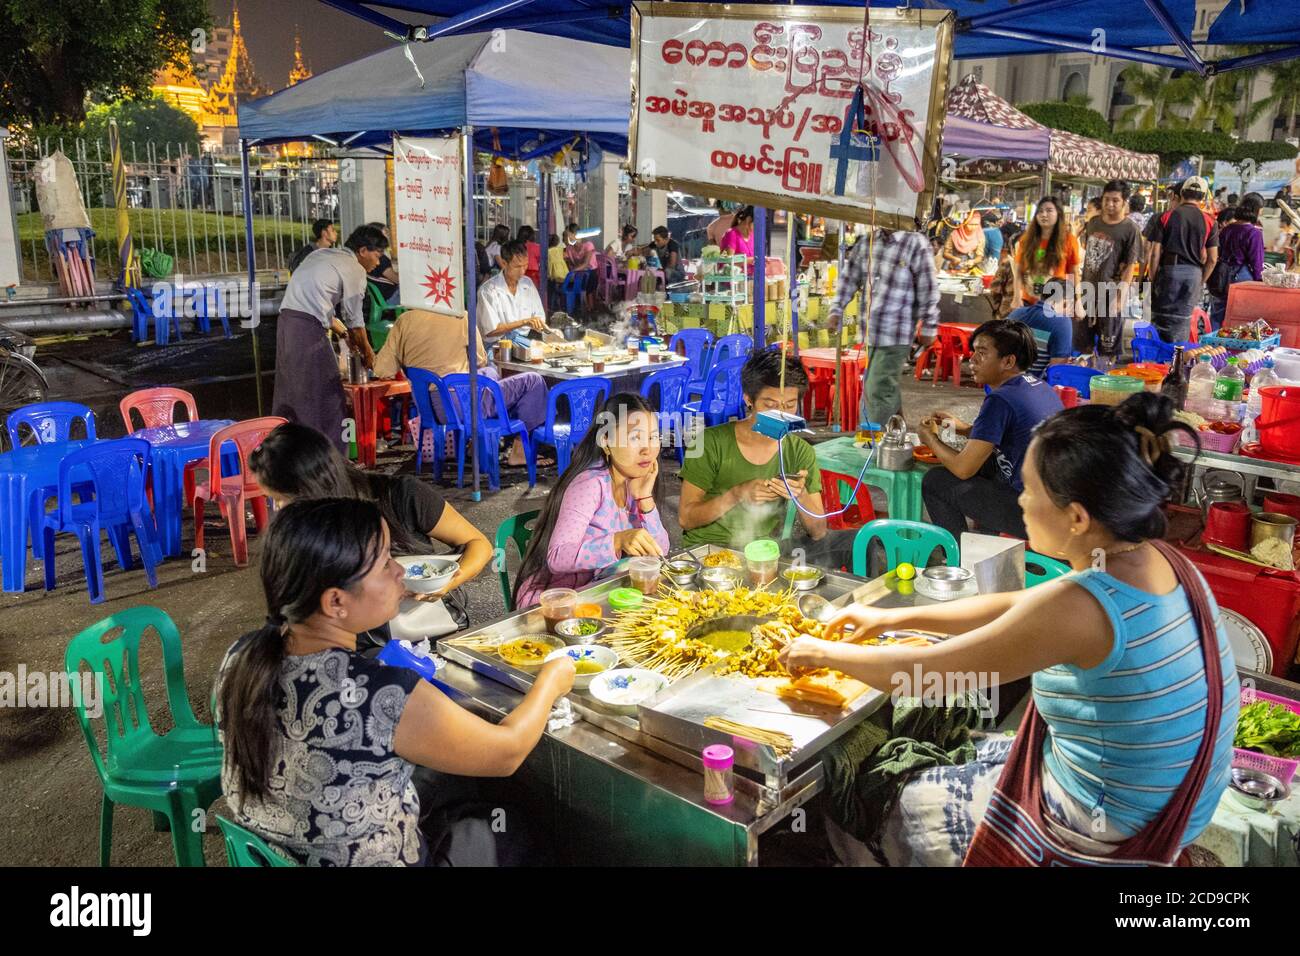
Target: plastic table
(853, 367)
(366, 400)
(902, 487)
(174, 447)
(24, 473)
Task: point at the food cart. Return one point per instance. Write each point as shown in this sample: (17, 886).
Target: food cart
(626, 785)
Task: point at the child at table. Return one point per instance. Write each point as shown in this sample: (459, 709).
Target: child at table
(605, 506)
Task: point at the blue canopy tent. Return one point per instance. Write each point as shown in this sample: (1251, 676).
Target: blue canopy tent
(984, 27)
(528, 93)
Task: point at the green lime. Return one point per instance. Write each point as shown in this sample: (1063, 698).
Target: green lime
(905, 587)
(905, 571)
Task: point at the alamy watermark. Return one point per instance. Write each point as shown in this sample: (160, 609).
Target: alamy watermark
(934, 688)
(22, 688)
(235, 298)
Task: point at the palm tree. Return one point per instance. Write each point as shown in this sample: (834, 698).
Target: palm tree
(1286, 92)
(1216, 102)
(1155, 91)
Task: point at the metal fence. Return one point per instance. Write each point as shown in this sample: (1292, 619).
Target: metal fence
(189, 206)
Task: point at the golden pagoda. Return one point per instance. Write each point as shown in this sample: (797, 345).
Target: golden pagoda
(301, 71)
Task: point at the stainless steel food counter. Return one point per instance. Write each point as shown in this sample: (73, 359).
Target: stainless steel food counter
(621, 789)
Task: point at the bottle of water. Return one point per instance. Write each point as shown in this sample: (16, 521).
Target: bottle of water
(1230, 382)
(1200, 388)
(1264, 378)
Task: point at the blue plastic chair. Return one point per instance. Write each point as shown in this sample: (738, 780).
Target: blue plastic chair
(492, 428)
(1156, 350)
(737, 345)
(573, 289)
(1039, 568)
(147, 310)
(671, 384)
(212, 304)
(115, 472)
(721, 399)
(909, 541)
(423, 382)
(697, 342)
(583, 396)
(49, 422)
(1072, 376)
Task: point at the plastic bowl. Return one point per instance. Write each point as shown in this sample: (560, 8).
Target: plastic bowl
(606, 657)
(623, 689)
(426, 574)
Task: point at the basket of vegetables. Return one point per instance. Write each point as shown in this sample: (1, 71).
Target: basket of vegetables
(1268, 734)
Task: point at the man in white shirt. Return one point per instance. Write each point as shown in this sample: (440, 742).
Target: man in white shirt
(308, 388)
(507, 304)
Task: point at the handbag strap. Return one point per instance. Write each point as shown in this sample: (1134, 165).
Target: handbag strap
(1018, 799)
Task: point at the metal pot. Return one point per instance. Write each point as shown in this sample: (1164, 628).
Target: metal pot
(894, 453)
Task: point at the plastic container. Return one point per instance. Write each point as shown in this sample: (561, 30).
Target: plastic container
(1227, 524)
(645, 574)
(625, 599)
(1275, 502)
(1230, 383)
(1200, 387)
(761, 559)
(557, 605)
(1280, 767)
(719, 775)
(1279, 421)
(1151, 373)
(1113, 389)
(1264, 378)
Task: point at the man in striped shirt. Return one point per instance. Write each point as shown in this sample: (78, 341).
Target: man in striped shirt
(903, 301)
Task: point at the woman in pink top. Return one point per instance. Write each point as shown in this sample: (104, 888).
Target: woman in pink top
(739, 239)
(581, 254)
(605, 506)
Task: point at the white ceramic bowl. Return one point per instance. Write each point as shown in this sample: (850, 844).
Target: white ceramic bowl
(626, 687)
(606, 657)
(438, 571)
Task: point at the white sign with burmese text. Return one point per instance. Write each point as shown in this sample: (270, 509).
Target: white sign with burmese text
(430, 241)
(762, 104)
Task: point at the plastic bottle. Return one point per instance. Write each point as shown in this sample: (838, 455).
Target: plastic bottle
(1200, 387)
(1264, 378)
(1230, 383)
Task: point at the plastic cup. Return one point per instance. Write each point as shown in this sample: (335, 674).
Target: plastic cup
(761, 558)
(644, 573)
(558, 605)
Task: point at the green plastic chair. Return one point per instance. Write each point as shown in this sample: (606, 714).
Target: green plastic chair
(787, 529)
(1039, 568)
(174, 775)
(246, 848)
(516, 528)
(910, 541)
(379, 322)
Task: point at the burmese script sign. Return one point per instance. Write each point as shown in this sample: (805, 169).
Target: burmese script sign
(430, 241)
(761, 104)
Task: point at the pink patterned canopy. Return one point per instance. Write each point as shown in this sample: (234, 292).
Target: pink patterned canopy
(1071, 154)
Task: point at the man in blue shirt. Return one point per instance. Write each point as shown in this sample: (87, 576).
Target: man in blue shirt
(991, 220)
(1053, 331)
(982, 480)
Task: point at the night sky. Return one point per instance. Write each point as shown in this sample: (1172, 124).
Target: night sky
(330, 37)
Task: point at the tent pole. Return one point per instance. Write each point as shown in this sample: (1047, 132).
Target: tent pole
(543, 236)
(252, 268)
(792, 245)
(760, 276)
(471, 300)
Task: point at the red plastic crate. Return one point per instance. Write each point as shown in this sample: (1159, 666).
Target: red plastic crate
(1280, 308)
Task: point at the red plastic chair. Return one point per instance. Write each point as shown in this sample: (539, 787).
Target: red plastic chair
(955, 347)
(229, 491)
(157, 406)
(1200, 324)
(859, 512)
(818, 395)
(608, 284)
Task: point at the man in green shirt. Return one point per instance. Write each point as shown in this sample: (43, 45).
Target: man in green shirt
(732, 491)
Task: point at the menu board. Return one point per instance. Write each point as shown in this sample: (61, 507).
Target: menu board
(430, 239)
(812, 109)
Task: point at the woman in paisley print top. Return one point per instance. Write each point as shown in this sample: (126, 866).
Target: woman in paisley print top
(320, 742)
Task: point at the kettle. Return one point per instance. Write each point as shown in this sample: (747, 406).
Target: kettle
(1220, 487)
(894, 453)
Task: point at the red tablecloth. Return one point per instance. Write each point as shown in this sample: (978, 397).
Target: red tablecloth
(854, 364)
(366, 402)
(1280, 308)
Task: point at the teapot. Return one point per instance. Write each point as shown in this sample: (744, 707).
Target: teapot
(1219, 487)
(894, 453)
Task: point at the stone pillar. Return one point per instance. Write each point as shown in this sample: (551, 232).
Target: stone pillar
(363, 193)
(609, 224)
(651, 211)
(10, 263)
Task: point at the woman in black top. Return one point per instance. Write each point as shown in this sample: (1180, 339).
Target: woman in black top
(296, 461)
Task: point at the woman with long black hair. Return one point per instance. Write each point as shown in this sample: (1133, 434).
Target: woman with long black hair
(321, 742)
(605, 506)
(296, 461)
(1126, 746)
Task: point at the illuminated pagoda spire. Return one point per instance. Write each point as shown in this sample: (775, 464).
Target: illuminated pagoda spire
(301, 71)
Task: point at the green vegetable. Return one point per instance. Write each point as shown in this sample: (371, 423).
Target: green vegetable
(588, 627)
(1268, 728)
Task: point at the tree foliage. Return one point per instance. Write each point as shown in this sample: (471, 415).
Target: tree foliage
(54, 54)
(1069, 117)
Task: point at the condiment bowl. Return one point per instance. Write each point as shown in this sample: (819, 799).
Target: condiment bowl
(606, 657)
(570, 629)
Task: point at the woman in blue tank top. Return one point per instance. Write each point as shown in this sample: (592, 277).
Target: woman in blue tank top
(1113, 648)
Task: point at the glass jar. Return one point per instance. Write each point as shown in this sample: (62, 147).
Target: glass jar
(761, 558)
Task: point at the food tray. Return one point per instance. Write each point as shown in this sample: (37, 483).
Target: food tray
(1280, 767)
(1240, 345)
